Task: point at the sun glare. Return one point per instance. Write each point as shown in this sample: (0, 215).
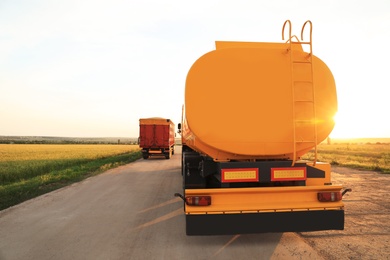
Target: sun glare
(356, 125)
(345, 127)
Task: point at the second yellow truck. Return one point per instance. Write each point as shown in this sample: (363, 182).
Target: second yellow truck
(252, 109)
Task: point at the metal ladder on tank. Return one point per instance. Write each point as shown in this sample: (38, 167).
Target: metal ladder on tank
(296, 83)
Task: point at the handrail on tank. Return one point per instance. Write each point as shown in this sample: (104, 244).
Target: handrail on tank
(289, 29)
(292, 37)
(289, 33)
(290, 49)
(310, 54)
(311, 32)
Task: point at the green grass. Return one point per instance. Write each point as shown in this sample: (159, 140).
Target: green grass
(359, 156)
(24, 178)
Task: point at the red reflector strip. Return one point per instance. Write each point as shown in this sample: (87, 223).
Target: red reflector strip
(240, 175)
(198, 200)
(288, 174)
(329, 196)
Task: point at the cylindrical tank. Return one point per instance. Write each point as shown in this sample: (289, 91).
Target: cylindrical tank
(256, 101)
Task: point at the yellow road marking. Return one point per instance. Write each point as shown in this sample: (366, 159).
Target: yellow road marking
(226, 245)
(161, 205)
(162, 218)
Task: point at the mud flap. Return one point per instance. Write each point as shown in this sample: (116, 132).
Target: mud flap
(294, 221)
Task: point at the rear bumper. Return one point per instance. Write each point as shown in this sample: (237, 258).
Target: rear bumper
(246, 223)
(156, 149)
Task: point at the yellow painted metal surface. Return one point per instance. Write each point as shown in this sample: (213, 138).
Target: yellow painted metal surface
(155, 121)
(240, 104)
(264, 199)
(320, 181)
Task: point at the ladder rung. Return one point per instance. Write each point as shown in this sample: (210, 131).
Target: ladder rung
(298, 61)
(303, 81)
(308, 121)
(308, 101)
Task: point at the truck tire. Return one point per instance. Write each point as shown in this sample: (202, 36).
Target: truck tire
(191, 172)
(168, 155)
(145, 156)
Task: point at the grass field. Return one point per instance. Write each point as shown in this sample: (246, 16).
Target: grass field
(27, 171)
(355, 155)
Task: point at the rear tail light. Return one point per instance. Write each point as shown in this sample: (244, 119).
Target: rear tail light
(329, 196)
(198, 200)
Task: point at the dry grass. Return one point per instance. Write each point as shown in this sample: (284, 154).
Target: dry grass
(361, 156)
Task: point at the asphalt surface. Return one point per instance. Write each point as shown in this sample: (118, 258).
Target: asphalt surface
(128, 213)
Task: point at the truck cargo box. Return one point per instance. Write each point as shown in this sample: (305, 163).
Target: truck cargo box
(157, 137)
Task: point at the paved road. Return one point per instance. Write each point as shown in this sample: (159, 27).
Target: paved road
(127, 213)
(367, 213)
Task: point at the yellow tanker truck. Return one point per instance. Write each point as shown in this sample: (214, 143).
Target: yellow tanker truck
(252, 109)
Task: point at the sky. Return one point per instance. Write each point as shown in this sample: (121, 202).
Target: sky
(93, 68)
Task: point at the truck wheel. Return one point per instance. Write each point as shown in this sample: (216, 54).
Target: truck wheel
(191, 172)
(182, 164)
(145, 156)
(168, 155)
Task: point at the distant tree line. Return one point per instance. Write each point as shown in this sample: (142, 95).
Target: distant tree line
(65, 140)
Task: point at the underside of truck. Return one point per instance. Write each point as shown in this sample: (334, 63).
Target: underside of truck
(166, 152)
(239, 197)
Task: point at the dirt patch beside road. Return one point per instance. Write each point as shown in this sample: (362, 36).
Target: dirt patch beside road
(367, 218)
